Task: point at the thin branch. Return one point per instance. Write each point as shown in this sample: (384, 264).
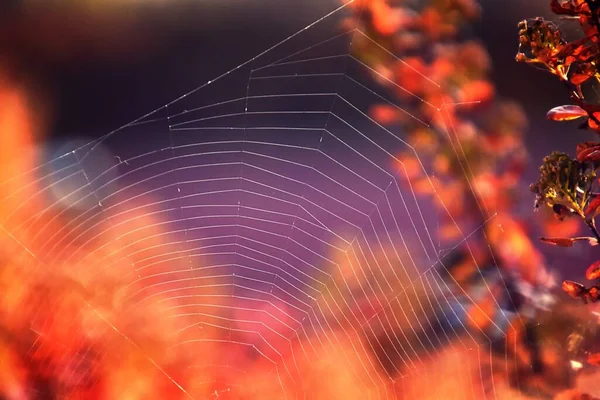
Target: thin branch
(592, 226)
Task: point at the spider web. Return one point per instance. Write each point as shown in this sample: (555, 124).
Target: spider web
(284, 227)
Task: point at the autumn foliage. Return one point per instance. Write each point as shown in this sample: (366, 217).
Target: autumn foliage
(68, 331)
(467, 150)
(569, 186)
(467, 154)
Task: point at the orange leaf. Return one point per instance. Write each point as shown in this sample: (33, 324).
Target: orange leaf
(573, 289)
(441, 164)
(579, 77)
(477, 91)
(593, 271)
(566, 113)
(388, 19)
(594, 359)
(384, 114)
(423, 186)
(552, 227)
(411, 167)
(410, 75)
(449, 231)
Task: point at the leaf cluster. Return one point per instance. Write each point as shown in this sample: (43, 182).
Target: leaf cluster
(542, 44)
(566, 185)
(569, 185)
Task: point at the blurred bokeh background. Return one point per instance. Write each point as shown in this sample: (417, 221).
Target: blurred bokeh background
(89, 67)
(93, 66)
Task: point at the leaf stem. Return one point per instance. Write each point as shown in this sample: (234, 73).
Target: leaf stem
(592, 226)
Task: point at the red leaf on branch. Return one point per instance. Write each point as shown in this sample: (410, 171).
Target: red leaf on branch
(593, 207)
(593, 125)
(579, 77)
(572, 8)
(593, 112)
(573, 289)
(589, 28)
(588, 151)
(568, 242)
(593, 271)
(594, 359)
(577, 50)
(566, 113)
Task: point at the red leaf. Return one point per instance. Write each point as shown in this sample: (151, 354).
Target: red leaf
(588, 151)
(594, 359)
(568, 242)
(593, 112)
(593, 207)
(586, 22)
(593, 271)
(575, 50)
(578, 78)
(476, 91)
(562, 242)
(593, 121)
(569, 8)
(566, 113)
(582, 73)
(573, 289)
(384, 114)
